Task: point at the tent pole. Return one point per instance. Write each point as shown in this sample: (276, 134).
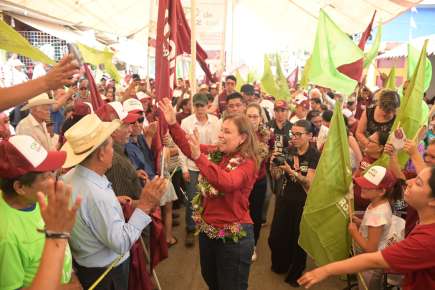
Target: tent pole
(193, 47)
(223, 42)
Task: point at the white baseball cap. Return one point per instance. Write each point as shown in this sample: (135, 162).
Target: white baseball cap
(21, 154)
(132, 106)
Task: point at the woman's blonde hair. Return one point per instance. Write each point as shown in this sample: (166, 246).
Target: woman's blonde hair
(249, 147)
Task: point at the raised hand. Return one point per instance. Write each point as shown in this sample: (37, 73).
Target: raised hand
(194, 143)
(57, 214)
(62, 73)
(168, 111)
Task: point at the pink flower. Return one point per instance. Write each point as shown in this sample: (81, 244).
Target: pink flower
(221, 233)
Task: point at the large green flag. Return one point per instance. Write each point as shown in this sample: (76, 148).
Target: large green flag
(373, 52)
(304, 79)
(412, 112)
(391, 81)
(240, 80)
(282, 83)
(268, 81)
(323, 230)
(97, 57)
(250, 79)
(332, 48)
(12, 41)
(413, 56)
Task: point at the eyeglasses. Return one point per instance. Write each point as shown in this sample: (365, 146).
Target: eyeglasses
(141, 119)
(296, 134)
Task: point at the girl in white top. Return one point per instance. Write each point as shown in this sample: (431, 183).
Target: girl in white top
(380, 187)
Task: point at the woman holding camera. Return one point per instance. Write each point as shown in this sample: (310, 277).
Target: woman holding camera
(298, 166)
(221, 207)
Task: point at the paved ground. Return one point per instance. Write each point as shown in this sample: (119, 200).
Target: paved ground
(181, 271)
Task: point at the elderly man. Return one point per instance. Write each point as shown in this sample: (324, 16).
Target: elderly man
(123, 176)
(101, 238)
(34, 124)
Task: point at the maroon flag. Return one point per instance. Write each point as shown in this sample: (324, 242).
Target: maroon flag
(95, 95)
(354, 70)
(293, 78)
(173, 38)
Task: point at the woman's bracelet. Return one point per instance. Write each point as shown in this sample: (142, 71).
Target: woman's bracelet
(55, 235)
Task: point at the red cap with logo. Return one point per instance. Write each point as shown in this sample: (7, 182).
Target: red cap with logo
(21, 154)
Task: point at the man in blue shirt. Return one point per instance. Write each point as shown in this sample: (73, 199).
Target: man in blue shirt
(101, 237)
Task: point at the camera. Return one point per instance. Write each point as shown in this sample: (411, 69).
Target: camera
(283, 156)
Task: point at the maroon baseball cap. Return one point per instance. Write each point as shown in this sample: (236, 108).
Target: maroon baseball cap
(280, 104)
(21, 154)
(376, 177)
(114, 110)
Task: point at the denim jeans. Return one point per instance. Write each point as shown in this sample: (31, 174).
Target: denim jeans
(225, 265)
(191, 192)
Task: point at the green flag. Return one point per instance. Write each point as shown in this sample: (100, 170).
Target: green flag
(412, 113)
(268, 81)
(281, 81)
(97, 57)
(413, 55)
(332, 48)
(323, 229)
(12, 41)
(391, 81)
(240, 80)
(251, 77)
(304, 79)
(373, 52)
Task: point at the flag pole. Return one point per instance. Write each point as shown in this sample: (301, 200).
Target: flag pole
(223, 43)
(193, 47)
(150, 29)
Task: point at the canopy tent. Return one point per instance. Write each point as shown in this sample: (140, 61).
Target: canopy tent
(402, 49)
(266, 25)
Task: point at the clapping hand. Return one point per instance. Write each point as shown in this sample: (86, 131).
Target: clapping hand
(152, 193)
(57, 214)
(168, 111)
(194, 143)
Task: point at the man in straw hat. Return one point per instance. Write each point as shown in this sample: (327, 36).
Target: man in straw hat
(101, 238)
(34, 124)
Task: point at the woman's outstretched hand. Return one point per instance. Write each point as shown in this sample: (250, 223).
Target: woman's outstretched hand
(168, 111)
(194, 143)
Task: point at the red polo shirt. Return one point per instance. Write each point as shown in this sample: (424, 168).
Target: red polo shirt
(415, 257)
(237, 184)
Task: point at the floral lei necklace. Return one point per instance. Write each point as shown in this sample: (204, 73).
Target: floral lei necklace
(233, 231)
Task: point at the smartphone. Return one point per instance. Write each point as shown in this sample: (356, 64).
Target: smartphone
(72, 48)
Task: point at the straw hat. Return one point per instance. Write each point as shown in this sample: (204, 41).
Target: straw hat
(85, 136)
(42, 99)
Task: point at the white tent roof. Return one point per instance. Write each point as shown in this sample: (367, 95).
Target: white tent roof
(402, 49)
(128, 17)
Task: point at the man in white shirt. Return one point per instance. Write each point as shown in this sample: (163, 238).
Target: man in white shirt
(208, 126)
(34, 124)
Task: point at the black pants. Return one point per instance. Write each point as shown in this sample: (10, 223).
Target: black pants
(256, 202)
(178, 182)
(116, 279)
(287, 256)
(225, 266)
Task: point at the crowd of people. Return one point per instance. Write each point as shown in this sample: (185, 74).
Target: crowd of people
(70, 172)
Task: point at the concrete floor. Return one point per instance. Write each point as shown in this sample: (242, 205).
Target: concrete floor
(181, 271)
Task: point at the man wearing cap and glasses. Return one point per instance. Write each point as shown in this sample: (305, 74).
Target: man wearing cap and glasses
(101, 235)
(208, 126)
(35, 123)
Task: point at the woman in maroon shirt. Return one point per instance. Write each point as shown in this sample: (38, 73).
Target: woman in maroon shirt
(221, 208)
(414, 256)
